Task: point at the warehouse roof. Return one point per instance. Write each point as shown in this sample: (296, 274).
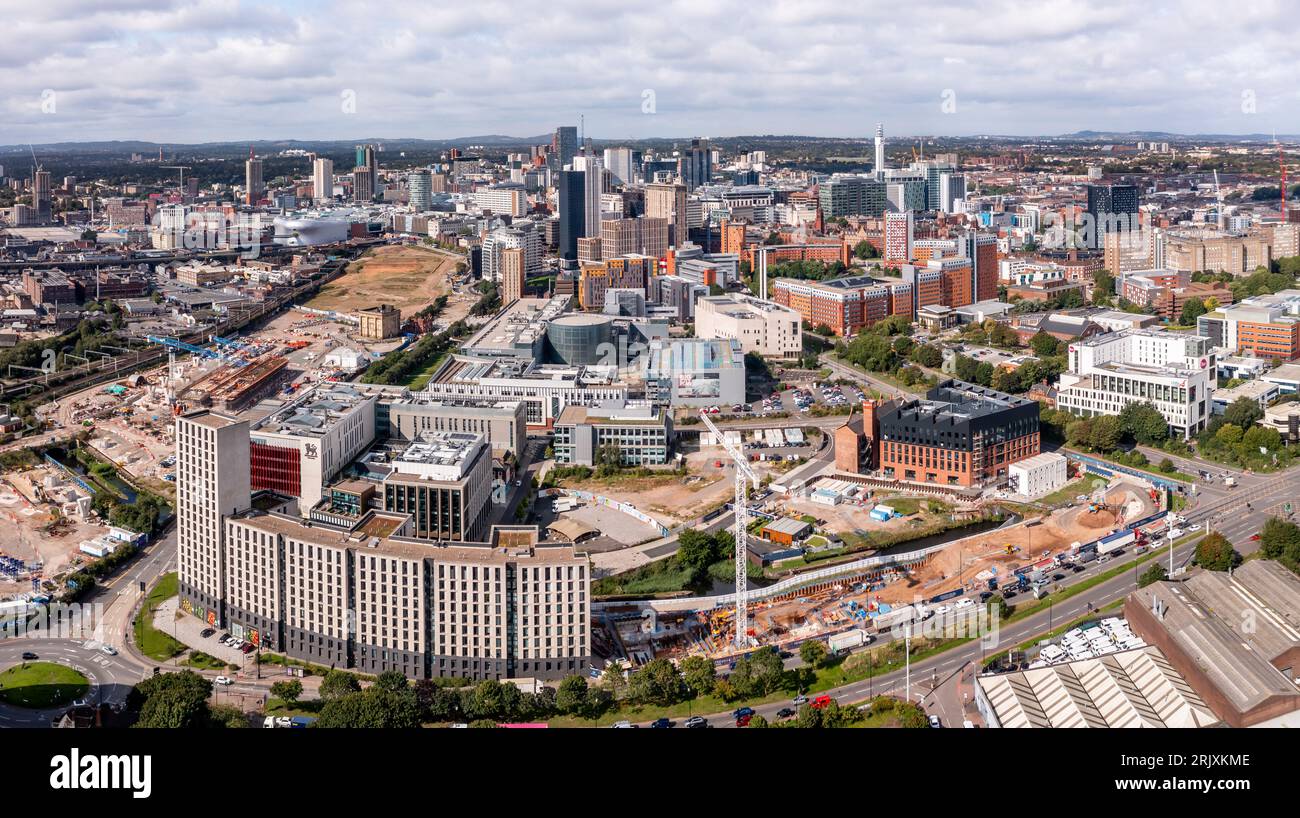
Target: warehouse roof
(1134, 688)
(1236, 664)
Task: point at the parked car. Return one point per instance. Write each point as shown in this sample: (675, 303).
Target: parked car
(800, 699)
(223, 680)
(283, 721)
(785, 713)
(696, 722)
(248, 647)
(743, 721)
(207, 632)
(934, 722)
(624, 724)
(661, 723)
(741, 712)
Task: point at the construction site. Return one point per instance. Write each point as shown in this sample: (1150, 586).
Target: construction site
(870, 596)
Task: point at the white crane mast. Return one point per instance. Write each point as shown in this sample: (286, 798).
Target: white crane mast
(1218, 195)
(743, 470)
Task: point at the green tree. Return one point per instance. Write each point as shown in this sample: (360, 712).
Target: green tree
(338, 683)
(813, 652)
(1143, 421)
(374, 707)
(1078, 433)
(1043, 344)
(1280, 538)
(656, 682)
(927, 355)
(1106, 433)
(1243, 412)
(393, 681)
(287, 691)
(1156, 573)
(1215, 553)
(695, 549)
(699, 674)
(1193, 308)
(571, 696)
(173, 700)
(226, 715)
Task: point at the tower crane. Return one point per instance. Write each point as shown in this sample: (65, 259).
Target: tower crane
(181, 184)
(743, 471)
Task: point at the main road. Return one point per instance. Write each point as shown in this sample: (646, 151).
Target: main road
(1209, 513)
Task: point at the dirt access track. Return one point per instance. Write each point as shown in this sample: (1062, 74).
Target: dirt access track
(409, 277)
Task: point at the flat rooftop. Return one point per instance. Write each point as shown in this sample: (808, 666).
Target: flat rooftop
(439, 449)
(316, 413)
(522, 324)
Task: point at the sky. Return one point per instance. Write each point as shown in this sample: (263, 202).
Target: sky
(215, 70)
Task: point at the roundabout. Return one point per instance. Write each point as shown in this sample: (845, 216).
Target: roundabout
(100, 679)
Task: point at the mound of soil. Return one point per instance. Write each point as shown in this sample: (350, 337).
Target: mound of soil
(1097, 519)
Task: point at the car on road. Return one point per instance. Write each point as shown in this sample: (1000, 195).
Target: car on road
(108, 649)
(820, 702)
(207, 632)
(798, 700)
(785, 713)
(661, 723)
(1077, 568)
(28, 656)
(1254, 537)
(743, 721)
(623, 724)
(1057, 577)
(934, 722)
(696, 722)
(223, 680)
(1194, 527)
(741, 712)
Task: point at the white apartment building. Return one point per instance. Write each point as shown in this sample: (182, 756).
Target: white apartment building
(764, 327)
(504, 199)
(211, 481)
(322, 180)
(1174, 372)
(522, 234)
(1038, 475)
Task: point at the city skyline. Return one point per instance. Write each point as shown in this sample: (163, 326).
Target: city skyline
(281, 70)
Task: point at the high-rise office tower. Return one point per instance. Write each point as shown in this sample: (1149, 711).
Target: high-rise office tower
(368, 159)
(212, 481)
(619, 162)
(880, 150)
(363, 184)
(593, 170)
(564, 146)
(322, 180)
(952, 188)
(1111, 208)
(41, 196)
(571, 196)
(695, 165)
(419, 185)
(253, 187)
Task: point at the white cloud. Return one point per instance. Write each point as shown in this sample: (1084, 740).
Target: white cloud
(203, 70)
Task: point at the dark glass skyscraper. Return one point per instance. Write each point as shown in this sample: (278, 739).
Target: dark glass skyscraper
(564, 146)
(1111, 208)
(570, 187)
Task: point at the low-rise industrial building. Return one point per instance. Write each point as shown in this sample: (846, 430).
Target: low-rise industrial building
(1234, 636)
(1038, 475)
